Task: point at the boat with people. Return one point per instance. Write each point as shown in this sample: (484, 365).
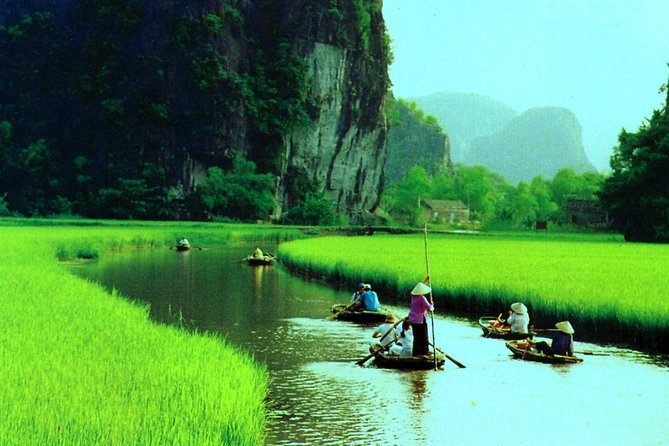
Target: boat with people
(255, 261)
(492, 328)
(385, 360)
(524, 349)
(343, 312)
(183, 245)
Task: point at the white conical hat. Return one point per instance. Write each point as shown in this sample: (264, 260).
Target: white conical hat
(420, 289)
(519, 307)
(565, 327)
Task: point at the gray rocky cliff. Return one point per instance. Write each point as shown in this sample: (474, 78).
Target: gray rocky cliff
(250, 104)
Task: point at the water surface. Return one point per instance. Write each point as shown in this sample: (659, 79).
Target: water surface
(320, 397)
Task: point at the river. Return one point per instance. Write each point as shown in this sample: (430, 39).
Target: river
(318, 396)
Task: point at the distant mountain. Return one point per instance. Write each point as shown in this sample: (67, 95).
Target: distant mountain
(541, 141)
(465, 117)
(414, 139)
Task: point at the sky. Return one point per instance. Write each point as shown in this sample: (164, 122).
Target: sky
(605, 60)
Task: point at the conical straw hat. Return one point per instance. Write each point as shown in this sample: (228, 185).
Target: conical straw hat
(420, 289)
(519, 307)
(565, 327)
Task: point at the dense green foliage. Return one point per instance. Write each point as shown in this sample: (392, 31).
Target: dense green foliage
(414, 139)
(609, 290)
(637, 191)
(81, 366)
(491, 200)
(103, 103)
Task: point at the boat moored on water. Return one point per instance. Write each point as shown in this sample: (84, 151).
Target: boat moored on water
(493, 329)
(183, 246)
(342, 313)
(526, 351)
(384, 360)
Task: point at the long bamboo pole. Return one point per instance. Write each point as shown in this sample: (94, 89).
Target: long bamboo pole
(427, 267)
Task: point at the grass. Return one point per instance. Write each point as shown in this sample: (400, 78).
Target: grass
(610, 290)
(81, 366)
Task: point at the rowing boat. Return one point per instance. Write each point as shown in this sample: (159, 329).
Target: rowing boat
(259, 261)
(341, 313)
(384, 360)
(524, 350)
(492, 329)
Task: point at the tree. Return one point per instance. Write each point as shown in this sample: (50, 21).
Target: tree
(240, 194)
(403, 198)
(637, 192)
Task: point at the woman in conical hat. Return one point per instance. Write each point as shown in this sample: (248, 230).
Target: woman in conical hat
(420, 305)
(518, 319)
(563, 341)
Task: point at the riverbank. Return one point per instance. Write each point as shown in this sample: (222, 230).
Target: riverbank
(611, 291)
(82, 366)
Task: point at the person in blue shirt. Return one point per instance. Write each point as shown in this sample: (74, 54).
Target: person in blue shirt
(563, 341)
(368, 300)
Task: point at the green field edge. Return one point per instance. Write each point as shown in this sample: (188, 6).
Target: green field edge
(474, 300)
(82, 365)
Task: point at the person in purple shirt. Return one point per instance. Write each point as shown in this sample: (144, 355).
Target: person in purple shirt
(563, 341)
(420, 305)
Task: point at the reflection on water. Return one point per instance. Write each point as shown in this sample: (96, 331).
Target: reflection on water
(318, 396)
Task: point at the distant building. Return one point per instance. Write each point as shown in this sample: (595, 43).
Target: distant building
(444, 211)
(586, 213)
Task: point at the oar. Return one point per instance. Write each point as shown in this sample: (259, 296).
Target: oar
(427, 267)
(452, 359)
(588, 352)
(334, 315)
(381, 347)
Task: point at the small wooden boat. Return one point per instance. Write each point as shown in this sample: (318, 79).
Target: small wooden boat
(341, 313)
(524, 350)
(492, 329)
(183, 246)
(255, 261)
(384, 360)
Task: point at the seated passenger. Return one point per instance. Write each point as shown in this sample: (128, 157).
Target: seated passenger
(387, 333)
(517, 318)
(404, 345)
(563, 341)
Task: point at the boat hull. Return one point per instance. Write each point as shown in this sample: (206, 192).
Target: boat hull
(183, 247)
(259, 262)
(384, 361)
(528, 353)
(490, 331)
(358, 316)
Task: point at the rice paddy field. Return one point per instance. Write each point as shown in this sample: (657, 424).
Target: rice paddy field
(611, 291)
(81, 366)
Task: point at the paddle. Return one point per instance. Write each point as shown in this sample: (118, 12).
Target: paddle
(344, 309)
(381, 347)
(427, 267)
(588, 352)
(453, 360)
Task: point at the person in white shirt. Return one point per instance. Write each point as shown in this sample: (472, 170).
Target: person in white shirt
(404, 344)
(387, 333)
(518, 320)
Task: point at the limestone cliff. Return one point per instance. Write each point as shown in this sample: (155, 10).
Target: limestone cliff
(294, 85)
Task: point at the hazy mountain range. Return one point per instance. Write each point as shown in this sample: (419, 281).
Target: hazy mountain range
(483, 130)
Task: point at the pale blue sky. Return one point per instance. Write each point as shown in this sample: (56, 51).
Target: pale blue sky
(603, 59)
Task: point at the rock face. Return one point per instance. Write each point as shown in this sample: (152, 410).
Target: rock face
(290, 84)
(541, 141)
(465, 117)
(344, 147)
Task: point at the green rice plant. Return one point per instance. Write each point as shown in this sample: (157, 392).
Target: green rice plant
(82, 366)
(609, 290)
